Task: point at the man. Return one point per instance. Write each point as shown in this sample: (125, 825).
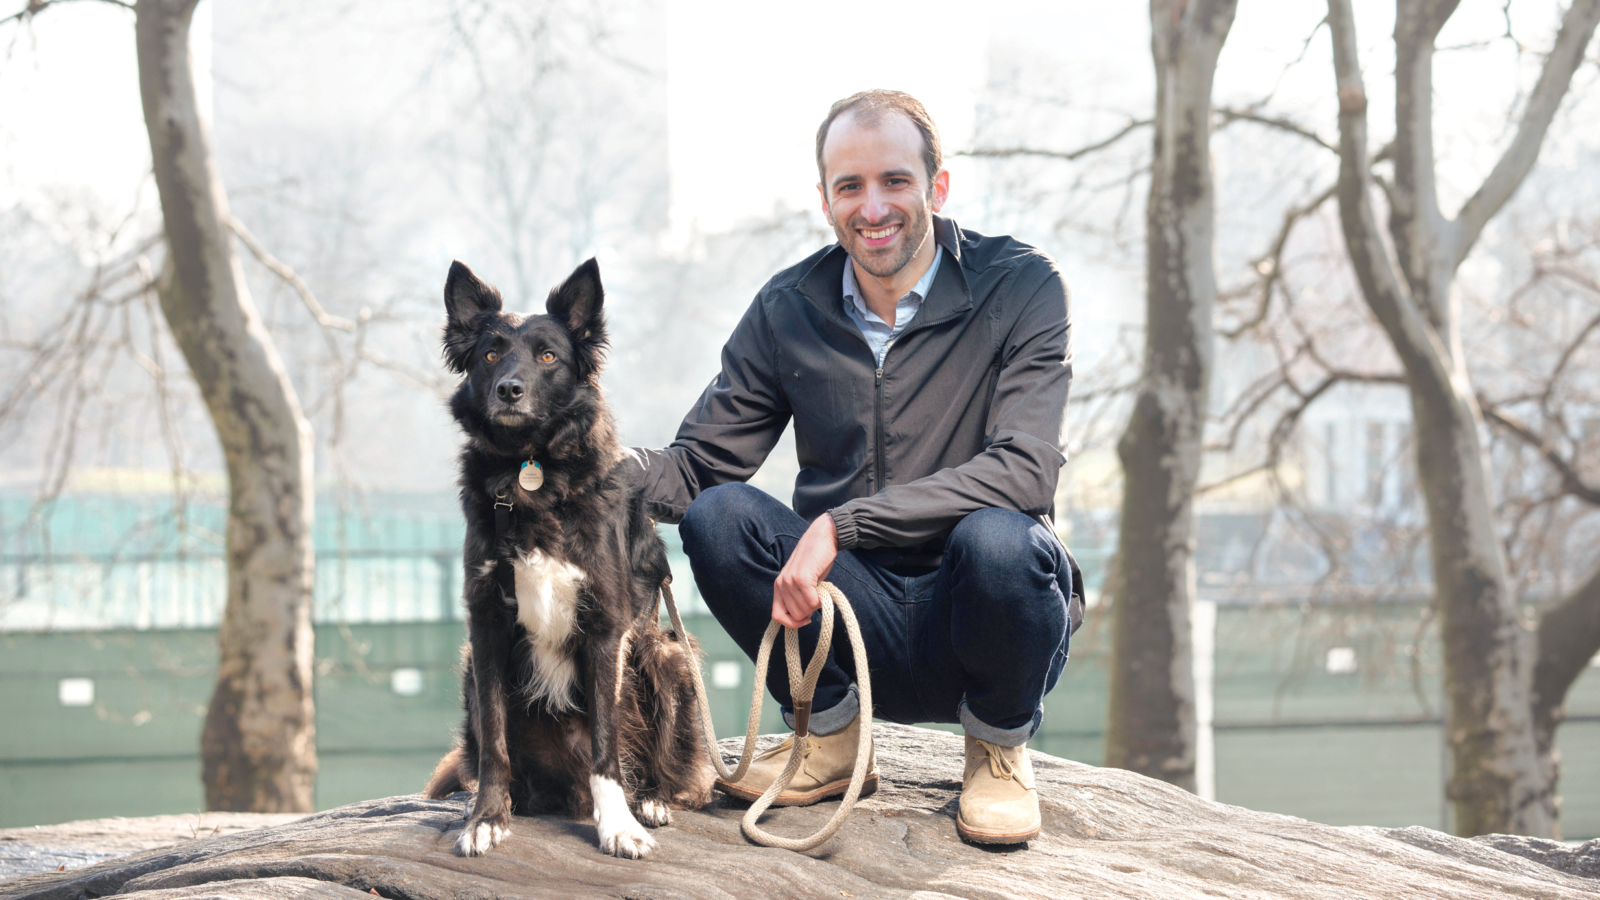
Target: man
(926, 371)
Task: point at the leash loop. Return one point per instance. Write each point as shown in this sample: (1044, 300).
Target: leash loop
(802, 687)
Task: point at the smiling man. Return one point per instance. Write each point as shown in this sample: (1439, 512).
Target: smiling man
(926, 371)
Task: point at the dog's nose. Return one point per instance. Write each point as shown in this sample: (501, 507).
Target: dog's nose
(509, 390)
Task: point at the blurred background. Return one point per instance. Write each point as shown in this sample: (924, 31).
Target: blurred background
(363, 145)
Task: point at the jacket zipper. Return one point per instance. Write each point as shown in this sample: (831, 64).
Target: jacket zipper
(879, 464)
(877, 428)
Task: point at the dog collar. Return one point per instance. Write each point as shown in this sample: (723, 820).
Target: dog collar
(532, 476)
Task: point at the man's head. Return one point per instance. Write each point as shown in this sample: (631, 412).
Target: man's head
(881, 166)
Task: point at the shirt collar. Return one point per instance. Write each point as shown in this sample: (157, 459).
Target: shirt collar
(852, 291)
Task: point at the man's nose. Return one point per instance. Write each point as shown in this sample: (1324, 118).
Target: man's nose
(509, 390)
(876, 207)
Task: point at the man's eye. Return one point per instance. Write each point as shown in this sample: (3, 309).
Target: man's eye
(547, 357)
(491, 356)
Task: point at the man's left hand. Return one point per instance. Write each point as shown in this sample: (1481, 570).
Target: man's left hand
(794, 594)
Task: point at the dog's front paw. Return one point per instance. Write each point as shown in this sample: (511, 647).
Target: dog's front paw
(654, 813)
(482, 835)
(630, 840)
(620, 833)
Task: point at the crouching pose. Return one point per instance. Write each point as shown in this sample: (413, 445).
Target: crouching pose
(925, 369)
(576, 700)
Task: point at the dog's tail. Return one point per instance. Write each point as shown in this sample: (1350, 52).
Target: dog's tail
(446, 779)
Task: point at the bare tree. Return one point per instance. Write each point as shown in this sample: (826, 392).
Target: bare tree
(1151, 726)
(1500, 781)
(258, 745)
(1548, 423)
(258, 748)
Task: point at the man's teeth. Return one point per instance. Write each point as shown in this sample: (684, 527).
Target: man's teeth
(879, 233)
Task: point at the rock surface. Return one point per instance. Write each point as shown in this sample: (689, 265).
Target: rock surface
(1107, 833)
(45, 848)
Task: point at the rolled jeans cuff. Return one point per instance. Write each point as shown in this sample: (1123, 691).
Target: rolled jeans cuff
(1002, 737)
(827, 721)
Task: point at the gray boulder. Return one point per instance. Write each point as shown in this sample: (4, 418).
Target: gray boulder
(1107, 833)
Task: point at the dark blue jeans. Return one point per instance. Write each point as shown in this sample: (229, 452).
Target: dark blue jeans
(978, 641)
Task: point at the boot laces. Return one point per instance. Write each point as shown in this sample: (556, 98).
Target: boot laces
(784, 747)
(999, 764)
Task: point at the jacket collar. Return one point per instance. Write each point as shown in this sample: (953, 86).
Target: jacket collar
(950, 294)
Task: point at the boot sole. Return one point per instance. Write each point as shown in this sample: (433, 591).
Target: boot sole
(969, 833)
(815, 795)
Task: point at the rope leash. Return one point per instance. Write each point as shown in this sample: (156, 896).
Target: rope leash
(802, 686)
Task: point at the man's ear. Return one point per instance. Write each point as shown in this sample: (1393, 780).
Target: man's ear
(576, 303)
(466, 297)
(827, 211)
(941, 190)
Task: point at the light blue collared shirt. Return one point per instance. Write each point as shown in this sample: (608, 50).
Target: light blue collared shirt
(878, 333)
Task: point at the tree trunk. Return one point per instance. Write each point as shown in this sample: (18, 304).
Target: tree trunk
(1151, 727)
(1499, 781)
(258, 747)
(1569, 636)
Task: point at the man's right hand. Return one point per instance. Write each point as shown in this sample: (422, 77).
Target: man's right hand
(794, 594)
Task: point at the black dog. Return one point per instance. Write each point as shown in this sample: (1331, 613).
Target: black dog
(576, 700)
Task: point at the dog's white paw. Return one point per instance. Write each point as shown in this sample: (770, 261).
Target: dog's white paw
(631, 840)
(620, 833)
(479, 838)
(654, 813)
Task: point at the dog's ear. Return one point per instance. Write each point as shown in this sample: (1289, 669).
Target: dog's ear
(466, 297)
(577, 305)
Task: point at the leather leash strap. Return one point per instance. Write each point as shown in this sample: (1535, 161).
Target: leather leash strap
(802, 687)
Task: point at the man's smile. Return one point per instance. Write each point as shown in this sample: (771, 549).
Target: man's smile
(877, 237)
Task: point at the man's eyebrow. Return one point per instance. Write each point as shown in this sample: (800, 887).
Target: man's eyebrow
(890, 173)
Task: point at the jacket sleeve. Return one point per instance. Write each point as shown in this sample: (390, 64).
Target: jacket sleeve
(1025, 444)
(731, 428)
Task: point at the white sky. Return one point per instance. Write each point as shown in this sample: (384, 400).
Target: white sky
(70, 117)
(746, 84)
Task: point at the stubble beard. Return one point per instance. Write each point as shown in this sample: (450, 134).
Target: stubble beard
(915, 233)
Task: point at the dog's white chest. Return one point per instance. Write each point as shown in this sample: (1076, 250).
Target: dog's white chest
(547, 607)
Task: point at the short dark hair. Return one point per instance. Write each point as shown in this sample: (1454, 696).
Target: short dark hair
(871, 106)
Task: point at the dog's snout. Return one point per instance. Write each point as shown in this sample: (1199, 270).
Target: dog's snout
(509, 390)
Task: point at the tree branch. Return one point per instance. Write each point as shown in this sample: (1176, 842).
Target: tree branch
(282, 270)
(35, 7)
(1415, 340)
(1544, 268)
(1270, 265)
(330, 322)
(1069, 155)
(1571, 479)
(1577, 27)
(1284, 427)
(1229, 115)
(1569, 636)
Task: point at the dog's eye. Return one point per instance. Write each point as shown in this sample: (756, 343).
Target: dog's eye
(547, 357)
(491, 356)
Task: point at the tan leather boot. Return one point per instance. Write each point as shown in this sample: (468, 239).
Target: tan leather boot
(998, 802)
(825, 771)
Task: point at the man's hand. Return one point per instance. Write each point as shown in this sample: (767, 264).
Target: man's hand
(794, 594)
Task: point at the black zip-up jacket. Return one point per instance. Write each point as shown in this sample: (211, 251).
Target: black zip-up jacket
(967, 412)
